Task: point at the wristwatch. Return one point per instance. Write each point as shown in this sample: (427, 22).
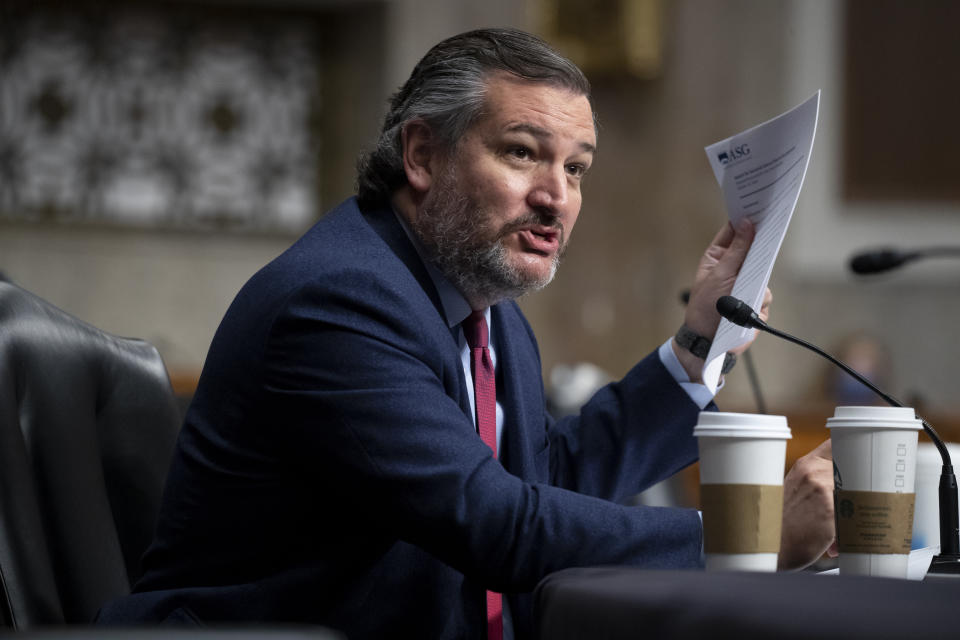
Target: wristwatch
(700, 346)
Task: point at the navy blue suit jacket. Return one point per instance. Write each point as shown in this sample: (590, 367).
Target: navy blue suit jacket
(329, 470)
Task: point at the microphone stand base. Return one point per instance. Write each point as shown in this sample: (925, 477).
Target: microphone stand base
(944, 566)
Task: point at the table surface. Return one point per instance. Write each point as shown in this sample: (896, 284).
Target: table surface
(632, 603)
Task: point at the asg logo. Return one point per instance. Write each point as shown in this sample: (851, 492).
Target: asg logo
(734, 153)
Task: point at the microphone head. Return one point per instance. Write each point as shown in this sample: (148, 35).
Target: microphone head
(878, 261)
(738, 312)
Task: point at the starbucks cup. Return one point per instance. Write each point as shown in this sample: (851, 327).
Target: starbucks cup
(874, 470)
(741, 488)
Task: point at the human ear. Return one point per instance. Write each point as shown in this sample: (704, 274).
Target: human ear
(419, 150)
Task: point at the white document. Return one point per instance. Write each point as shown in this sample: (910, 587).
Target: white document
(760, 172)
(917, 564)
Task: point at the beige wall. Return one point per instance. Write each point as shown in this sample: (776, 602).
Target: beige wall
(651, 206)
(651, 203)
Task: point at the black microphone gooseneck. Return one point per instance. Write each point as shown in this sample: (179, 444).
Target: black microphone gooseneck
(948, 560)
(880, 260)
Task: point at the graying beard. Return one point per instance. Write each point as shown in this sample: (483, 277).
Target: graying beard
(482, 274)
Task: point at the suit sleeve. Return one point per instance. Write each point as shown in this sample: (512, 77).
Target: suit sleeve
(364, 395)
(630, 435)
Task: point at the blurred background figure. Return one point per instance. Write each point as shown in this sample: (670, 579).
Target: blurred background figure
(571, 385)
(863, 353)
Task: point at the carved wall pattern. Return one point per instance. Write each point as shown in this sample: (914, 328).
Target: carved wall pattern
(158, 116)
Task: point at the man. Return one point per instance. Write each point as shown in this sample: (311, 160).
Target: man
(330, 468)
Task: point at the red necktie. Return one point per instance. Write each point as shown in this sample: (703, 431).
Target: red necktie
(485, 398)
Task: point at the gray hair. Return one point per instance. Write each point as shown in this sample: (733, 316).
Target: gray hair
(447, 89)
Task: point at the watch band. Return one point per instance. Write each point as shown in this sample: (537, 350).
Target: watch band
(693, 341)
(700, 346)
(728, 361)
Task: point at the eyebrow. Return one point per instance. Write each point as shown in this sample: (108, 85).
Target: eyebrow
(540, 132)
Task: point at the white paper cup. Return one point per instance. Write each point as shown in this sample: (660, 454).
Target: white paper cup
(874, 463)
(742, 459)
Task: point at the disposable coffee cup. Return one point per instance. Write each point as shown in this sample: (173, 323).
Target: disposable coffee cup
(742, 457)
(874, 474)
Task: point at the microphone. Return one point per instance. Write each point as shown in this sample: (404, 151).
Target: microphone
(888, 258)
(948, 560)
(739, 313)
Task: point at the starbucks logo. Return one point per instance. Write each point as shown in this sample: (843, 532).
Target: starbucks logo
(845, 509)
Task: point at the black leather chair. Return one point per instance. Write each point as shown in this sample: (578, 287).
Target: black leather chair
(88, 422)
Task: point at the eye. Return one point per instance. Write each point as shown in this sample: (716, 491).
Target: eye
(576, 170)
(520, 152)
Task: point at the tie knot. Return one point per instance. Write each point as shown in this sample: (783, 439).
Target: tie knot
(475, 330)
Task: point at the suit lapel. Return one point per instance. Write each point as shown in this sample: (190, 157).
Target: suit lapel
(384, 223)
(520, 391)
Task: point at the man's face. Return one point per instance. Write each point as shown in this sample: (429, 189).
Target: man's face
(500, 211)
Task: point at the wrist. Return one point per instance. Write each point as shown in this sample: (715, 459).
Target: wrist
(692, 365)
(693, 342)
(692, 350)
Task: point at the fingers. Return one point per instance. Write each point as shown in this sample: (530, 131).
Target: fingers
(746, 345)
(715, 276)
(824, 450)
(724, 236)
(808, 525)
(765, 306)
(729, 264)
(817, 466)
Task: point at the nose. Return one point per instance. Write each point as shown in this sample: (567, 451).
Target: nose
(550, 190)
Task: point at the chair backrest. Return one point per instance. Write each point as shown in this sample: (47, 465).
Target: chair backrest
(88, 422)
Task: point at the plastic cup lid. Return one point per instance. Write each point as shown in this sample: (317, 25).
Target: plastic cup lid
(724, 424)
(874, 418)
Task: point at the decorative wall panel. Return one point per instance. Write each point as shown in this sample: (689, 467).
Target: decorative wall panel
(159, 115)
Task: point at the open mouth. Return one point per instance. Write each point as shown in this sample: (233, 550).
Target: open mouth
(542, 240)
